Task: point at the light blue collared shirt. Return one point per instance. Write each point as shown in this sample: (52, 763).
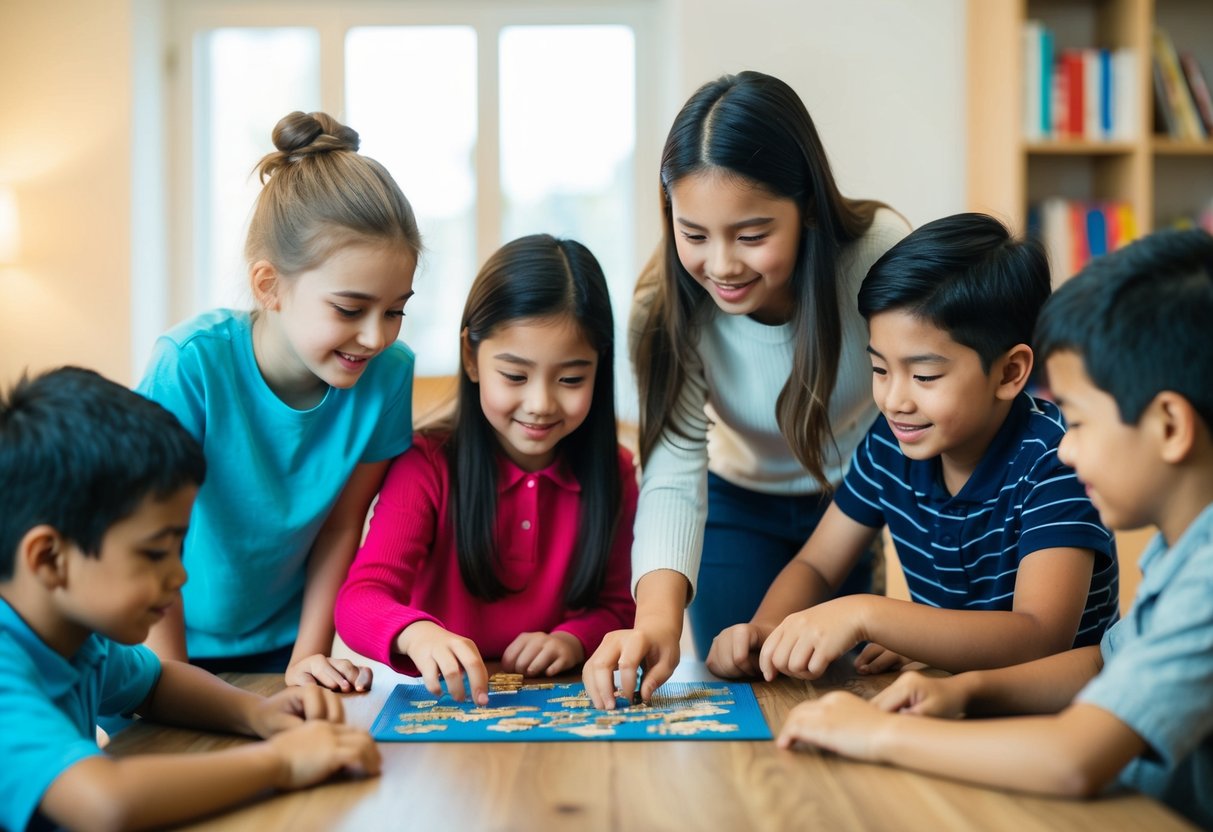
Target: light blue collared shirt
(1158, 673)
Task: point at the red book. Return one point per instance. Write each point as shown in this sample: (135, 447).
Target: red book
(1072, 62)
(1078, 235)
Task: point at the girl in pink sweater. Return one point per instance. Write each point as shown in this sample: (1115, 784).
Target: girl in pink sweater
(505, 531)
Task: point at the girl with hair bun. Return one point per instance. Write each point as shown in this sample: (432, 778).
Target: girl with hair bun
(299, 405)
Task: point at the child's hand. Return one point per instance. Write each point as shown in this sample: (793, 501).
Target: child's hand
(914, 693)
(840, 722)
(334, 674)
(314, 751)
(876, 659)
(734, 652)
(805, 643)
(437, 651)
(532, 654)
(654, 648)
(292, 707)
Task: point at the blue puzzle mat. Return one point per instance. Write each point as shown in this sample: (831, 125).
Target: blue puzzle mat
(562, 712)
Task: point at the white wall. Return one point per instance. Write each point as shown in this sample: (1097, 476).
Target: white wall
(883, 80)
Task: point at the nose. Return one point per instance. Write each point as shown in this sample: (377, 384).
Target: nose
(895, 396)
(1065, 450)
(373, 334)
(539, 399)
(179, 575)
(722, 263)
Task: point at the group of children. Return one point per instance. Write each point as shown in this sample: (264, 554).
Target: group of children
(504, 529)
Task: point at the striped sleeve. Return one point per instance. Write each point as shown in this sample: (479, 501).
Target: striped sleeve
(859, 495)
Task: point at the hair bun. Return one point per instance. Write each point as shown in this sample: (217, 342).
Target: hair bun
(298, 135)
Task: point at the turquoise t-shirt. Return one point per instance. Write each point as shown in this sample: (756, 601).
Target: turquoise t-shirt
(49, 707)
(273, 474)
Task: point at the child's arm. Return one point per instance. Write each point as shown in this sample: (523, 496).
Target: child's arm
(1050, 593)
(328, 564)
(155, 790)
(810, 578)
(1074, 752)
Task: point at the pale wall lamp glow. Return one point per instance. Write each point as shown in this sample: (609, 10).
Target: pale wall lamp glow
(9, 232)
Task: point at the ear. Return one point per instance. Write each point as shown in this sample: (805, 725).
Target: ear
(43, 551)
(1013, 371)
(1176, 424)
(467, 355)
(266, 285)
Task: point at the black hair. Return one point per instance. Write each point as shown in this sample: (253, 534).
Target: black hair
(754, 128)
(536, 277)
(79, 453)
(966, 275)
(1139, 318)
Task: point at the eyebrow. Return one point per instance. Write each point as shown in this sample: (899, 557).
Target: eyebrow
(526, 362)
(750, 223)
(924, 358)
(167, 531)
(352, 295)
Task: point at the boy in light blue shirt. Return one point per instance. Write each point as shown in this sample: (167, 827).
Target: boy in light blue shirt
(1130, 362)
(96, 487)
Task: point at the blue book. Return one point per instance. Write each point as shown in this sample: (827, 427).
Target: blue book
(1046, 82)
(1105, 92)
(1097, 230)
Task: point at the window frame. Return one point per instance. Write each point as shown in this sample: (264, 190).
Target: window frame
(189, 272)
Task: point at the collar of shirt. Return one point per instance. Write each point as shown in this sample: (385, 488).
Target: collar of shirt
(59, 675)
(1160, 563)
(559, 473)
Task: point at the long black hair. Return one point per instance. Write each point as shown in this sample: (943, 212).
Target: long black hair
(536, 277)
(754, 127)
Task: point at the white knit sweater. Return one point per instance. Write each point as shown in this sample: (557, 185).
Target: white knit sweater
(741, 368)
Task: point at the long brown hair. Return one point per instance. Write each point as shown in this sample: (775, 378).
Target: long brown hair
(755, 127)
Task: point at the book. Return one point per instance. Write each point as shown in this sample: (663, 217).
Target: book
(1033, 122)
(1198, 87)
(1187, 121)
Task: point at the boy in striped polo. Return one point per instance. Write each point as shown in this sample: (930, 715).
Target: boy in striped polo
(1003, 553)
(1131, 363)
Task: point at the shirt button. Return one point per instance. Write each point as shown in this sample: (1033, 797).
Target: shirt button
(530, 483)
(526, 525)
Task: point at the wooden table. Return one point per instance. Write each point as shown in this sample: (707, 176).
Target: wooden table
(674, 785)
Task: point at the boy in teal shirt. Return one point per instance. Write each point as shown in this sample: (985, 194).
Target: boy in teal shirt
(1130, 361)
(96, 487)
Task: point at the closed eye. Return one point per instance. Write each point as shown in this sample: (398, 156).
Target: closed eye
(756, 238)
(512, 377)
(927, 378)
(693, 238)
(346, 312)
(880, 371)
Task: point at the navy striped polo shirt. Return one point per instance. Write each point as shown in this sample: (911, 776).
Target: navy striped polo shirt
(962, 552)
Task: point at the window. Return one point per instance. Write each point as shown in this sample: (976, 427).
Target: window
(497, 121)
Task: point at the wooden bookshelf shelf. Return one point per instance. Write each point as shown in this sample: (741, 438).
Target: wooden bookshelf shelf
(1161, 179)
(1164, 146)
(1075, 147)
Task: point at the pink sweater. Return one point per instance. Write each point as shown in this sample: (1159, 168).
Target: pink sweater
(407, 569)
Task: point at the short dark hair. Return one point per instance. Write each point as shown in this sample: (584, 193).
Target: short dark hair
(79, 453)
(966, 275)
(1139, 318)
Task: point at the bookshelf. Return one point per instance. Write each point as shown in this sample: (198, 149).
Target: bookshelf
(1160, 178)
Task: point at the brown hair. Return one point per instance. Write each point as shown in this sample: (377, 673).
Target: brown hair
(319, 194)
(755, 127)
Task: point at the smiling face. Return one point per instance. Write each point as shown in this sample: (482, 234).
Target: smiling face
(536, 379)
(934, 394)
(136, 576)
(1112, 459)
(324, 325)
(738, 242)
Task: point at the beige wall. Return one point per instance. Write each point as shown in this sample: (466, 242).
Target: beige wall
(65, 141)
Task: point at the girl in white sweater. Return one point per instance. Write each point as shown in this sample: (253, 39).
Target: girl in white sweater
(750, 356)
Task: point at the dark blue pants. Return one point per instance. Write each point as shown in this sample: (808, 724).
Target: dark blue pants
(749, 539)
